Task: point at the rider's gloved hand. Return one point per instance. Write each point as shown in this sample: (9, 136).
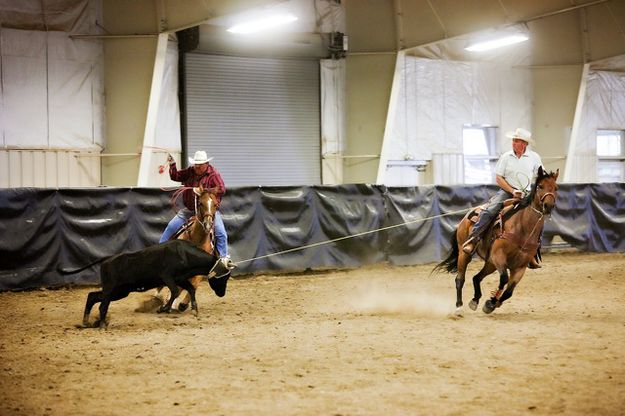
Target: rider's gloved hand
(517, 194)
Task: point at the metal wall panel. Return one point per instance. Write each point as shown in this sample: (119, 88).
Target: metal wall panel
(259, 118)
(48, 168)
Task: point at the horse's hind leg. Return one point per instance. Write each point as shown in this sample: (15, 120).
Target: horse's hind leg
(463, 262)
(160, 296)
(477, 284)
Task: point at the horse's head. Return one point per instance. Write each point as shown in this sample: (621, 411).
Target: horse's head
(205, 207)
(545, 190)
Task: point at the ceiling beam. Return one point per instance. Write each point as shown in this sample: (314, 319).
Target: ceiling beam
(560, 11)
(438, 19)
(399, 24)
(523, 21)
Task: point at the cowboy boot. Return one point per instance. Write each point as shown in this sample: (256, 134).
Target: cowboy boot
(534, 263)
(470, 245)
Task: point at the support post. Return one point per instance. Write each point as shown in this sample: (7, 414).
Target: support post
(151, 119)
(581, 97)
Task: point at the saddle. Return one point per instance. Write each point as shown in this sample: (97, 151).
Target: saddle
(508, 205)
(495, 229)
(184, 227)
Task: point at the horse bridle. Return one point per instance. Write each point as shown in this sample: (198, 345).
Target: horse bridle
(542, 200)
(541, 213)
(198, 210)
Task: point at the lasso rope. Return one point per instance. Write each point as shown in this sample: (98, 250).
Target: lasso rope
(353, 235)
(521, 183)
(178, 191)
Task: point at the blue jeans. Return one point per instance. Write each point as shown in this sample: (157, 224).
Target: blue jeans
(495, 204)
(221, 237)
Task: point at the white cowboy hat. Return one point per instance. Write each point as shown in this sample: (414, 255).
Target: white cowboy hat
(522, 134)
(199, 158)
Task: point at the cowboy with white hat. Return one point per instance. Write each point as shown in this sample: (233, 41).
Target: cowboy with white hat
(516, 171)
(200, 172)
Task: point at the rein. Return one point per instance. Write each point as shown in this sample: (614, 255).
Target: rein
(177, 194)
(542, 198)
(526, 245)
(187, 229)
(198, 210)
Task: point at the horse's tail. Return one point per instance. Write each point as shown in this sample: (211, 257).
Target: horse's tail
(450, 264)
(65, 272)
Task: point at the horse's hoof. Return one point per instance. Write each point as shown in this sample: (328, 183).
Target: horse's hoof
(473, 304)
(489, 306)
(183, 307)
(163, 309)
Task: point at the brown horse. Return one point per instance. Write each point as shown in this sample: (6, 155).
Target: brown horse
(507, 245)
(200, 231)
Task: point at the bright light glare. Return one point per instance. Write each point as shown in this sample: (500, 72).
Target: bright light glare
(262, 24)
(497, 43)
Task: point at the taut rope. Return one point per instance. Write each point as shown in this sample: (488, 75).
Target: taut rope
(354, 235)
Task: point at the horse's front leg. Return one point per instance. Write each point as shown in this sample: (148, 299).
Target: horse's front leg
(477, 283)
(190, 288)
(495, 301)
(184, 301)
(515, 278)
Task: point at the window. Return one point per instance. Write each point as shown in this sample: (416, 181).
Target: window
(611, 155)
(479, 144)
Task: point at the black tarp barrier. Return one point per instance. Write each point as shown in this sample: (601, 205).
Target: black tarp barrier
(41, 229)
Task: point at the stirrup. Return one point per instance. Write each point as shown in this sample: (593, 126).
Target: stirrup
(534, 263)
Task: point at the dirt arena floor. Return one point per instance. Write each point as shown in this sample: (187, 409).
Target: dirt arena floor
(374, 341)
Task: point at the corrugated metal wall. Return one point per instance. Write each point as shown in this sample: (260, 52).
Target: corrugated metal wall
(48, 168)
(259, 118)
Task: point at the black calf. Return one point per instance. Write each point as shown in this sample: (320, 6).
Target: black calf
(170, 264)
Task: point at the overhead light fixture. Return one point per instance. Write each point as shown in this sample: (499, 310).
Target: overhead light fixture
(497, 43)
(264, 23)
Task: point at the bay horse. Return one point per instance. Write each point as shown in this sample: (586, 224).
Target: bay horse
(200, 231)
(507, 245)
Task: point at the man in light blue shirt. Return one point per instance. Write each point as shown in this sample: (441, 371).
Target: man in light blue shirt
(516, 171)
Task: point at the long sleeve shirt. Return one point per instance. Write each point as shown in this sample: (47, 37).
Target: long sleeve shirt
(209, 179)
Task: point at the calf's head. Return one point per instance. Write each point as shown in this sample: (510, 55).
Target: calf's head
(219, 284)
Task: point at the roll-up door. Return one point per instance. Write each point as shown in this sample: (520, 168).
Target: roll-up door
(258, 117)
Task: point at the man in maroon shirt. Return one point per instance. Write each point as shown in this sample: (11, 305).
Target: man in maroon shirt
(199, 173)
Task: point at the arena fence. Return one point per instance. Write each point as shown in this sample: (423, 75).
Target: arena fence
(286, 229)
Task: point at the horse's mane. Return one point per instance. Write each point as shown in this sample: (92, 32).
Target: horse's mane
(527, 200)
